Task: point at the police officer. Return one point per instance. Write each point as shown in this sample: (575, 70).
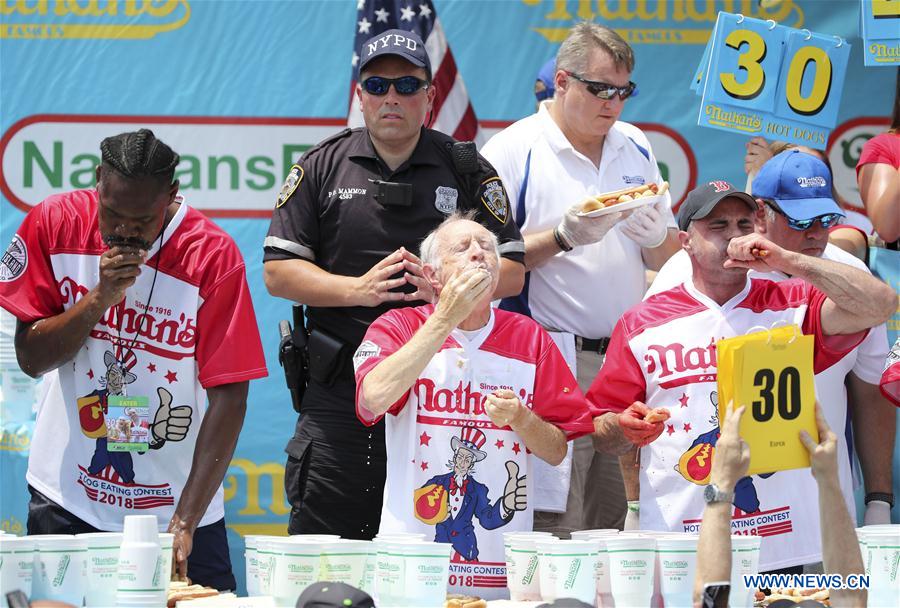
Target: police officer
(346, 223)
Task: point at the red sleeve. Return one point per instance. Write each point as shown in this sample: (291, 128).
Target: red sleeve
(28, 287)
(620, 381)
(383, 338)
(228, 345)
(882, 149)
(828, 350)
(890, 379)
(557, 398)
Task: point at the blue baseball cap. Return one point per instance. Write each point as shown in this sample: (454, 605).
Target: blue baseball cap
(401, 43)
(545, 76)
(799, 182)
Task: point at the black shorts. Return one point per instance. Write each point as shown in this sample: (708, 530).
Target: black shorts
(335, 471)
(209, 563)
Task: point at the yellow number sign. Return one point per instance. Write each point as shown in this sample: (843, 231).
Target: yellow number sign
(771, 373)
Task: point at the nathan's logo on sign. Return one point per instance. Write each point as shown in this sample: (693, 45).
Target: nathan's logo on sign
(844, 147)
(121, 19)
(674, 155)
(230, 167)
(658, 21)
(743, 121)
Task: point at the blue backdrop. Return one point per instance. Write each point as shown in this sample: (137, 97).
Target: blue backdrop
(242, 87)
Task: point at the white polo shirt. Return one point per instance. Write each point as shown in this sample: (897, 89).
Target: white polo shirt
(586, 290)
(866, 360)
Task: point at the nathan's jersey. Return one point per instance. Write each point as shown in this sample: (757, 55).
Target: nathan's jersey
(663, 352)
(866, 361)
(448, 465)
(187, 324)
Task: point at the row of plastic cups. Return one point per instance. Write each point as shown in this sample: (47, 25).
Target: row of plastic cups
(83, 568)
(880, 547)
(410, 571)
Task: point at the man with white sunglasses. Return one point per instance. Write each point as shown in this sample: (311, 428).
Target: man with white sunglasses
(346, 223)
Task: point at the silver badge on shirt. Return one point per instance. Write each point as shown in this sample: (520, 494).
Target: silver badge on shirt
(445, 199)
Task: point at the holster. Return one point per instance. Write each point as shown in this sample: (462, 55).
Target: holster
(327, 356)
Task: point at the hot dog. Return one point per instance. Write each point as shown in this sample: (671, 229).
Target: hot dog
(608, 199)
(659, 414)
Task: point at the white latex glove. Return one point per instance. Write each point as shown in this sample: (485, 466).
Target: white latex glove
(877, 512)
(577, 230)
(633, 516)
(646, 226)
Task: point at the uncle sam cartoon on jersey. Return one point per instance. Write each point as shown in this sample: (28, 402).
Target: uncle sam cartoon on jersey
(450, 501)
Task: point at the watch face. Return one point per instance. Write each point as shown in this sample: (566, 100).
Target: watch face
(709, 493)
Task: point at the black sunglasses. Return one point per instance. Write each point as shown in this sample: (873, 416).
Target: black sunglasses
(604, 90)
(405, 85)
(828, 220)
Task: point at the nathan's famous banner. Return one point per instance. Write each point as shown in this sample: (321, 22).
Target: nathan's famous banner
(242, 88)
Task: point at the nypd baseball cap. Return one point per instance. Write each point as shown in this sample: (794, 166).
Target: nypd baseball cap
(799, 182)
(401, 43)
(703, 199)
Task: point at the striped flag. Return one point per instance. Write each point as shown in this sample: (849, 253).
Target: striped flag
(453, 113)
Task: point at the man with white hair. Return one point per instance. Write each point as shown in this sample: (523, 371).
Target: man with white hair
(460, 374)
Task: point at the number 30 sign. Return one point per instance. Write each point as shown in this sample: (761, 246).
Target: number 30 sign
(774, 81)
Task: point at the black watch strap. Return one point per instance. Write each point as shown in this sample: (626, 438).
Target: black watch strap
(882, 496)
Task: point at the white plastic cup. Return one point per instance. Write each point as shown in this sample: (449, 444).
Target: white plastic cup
(344, 561)
(676, 565)
(265, 561)
(297, 564)
(315, 538)
(400, 536)
(37, 587)
(523, 566)
(142, 580)
(568, 569)
(426, 571)
(883, 544)
(744, 562)
(251, 563)
(16, 565)
(61, 568)
(102, 567)
(863, 549)
(632, 563)
(589, 534)
(389, 573)
(140, 529)
(166, 542)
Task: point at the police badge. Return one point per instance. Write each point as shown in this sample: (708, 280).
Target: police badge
(290, 184)
(445, 199)
(494, 198)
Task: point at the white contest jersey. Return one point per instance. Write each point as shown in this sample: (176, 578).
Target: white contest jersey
(196, 330)
(448, 465)
(866, 361)
(586, 290)
(663, 353)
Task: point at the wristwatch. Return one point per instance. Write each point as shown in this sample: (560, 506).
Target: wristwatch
(712, 493)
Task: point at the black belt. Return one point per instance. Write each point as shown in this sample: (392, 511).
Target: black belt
(595, 345)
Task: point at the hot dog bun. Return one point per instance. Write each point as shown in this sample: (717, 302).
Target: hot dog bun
(608, 199)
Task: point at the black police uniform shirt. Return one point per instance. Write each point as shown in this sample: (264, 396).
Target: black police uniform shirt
(326, 213)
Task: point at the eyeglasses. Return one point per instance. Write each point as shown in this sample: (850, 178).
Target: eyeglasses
(405, 85)
(827, 220)
(604, 90)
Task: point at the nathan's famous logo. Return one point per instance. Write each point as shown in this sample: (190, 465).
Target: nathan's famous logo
(147, 322)
(675, 358)
(885, 52)
(121, 19)
(464, 399)
(742, 121)
(61, 570)
(844, 149)
(254, 497)
(658, 21)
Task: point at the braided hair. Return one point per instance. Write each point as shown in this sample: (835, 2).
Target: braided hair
(139, 154)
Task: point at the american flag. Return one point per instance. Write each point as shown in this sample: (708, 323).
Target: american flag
(453, 113)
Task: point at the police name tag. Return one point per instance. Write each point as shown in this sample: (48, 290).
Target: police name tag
(770, 80)
(127, 424)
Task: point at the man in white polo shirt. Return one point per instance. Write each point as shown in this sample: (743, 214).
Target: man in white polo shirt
(583, 273)
(793, 192)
